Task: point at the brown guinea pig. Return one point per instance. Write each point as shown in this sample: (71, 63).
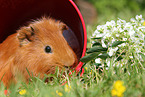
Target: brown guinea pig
(40, 47)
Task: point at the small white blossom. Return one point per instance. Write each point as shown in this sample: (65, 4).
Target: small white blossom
(131, 57)
(106, 35)
(96, 32)
(103, 44)
(122, 45)
(113, 39)
(99, 27)
(124, 39)
(99, 35)
(111, 51)
(117, 35)
(110, 24)
(132, 32)
(108, 63)
(138, 17)
(98, 60)
(132, 20)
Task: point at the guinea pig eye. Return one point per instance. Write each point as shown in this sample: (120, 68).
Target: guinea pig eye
(48, 49)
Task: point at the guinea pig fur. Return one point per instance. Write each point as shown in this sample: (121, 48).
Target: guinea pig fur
(40, 47)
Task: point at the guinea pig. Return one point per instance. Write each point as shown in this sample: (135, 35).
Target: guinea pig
(39, 48)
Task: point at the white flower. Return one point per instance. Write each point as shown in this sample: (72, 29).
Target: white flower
(111, 23)
(142, 20)
(142, 27)
(120, 21)
(112, 51)
(93, 42)
(99, 35)
(96, 32)
(103, 44)
(133, 20)
(115, 29)
(106, 31)
(117, 35)
(122, 45)
(131, 57)
(98, 60)
(119, 28)
(138, 17)
(133, 32)
(124, 39)
(108, 23)
(128, 26)
(108, 63)
(99, 27)
(113, 39)
(107, 35)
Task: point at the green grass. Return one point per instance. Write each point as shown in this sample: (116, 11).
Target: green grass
(91, 84)
(95, 82)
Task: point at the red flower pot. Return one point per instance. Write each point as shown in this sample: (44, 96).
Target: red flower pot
(16, 13)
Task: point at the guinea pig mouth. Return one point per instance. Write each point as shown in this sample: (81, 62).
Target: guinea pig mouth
(64, 68)
(52, 70)
(74, 65)
(67, 68)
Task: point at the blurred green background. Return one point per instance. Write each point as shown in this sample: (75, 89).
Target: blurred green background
(106, 10)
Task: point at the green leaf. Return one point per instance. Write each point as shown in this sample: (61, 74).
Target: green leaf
(142, 55)
(97, 38)
(96, 44)
(116, 43)
(103, 56)
(89, 57)
(96, 49)
(97, 64)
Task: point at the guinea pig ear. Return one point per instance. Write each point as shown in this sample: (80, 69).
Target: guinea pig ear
(63, 26)
(25, 35)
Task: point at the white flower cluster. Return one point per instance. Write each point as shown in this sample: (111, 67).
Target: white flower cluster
(132, 33)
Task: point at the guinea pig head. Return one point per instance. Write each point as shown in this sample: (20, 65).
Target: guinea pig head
(43, 48)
